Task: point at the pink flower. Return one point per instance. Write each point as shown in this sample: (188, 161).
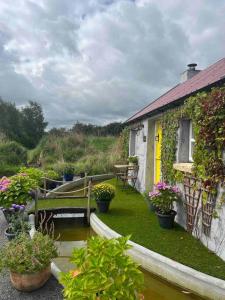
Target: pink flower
(4, 184)
(175, 189)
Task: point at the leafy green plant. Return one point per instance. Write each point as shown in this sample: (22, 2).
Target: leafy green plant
(34, 173)
(51, 174)
(163, 196)
(12, 153)
(104, 272)
(103, 192)
(25, 255)
(133, 159)
(68, 169)
(16, 190)
(17, 224)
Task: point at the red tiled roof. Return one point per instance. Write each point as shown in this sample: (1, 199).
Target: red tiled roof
(210, 75)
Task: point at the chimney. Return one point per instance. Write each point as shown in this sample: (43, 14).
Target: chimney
(189, 73)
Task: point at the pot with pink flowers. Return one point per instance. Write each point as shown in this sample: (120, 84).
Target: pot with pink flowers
(162, 197)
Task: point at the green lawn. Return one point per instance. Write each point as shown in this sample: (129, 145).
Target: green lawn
(129, 214)
(55, 203)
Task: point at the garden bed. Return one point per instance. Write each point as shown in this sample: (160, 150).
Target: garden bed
(129, 214)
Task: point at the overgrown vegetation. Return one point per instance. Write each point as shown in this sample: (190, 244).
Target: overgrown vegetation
(207, 111)
(86, 147)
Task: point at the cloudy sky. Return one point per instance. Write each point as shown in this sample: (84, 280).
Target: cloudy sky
(101, 60)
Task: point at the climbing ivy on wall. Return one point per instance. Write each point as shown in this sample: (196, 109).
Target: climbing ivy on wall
(207, 112)
(170, 125)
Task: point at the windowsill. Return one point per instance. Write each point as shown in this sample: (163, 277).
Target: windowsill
(183, 167)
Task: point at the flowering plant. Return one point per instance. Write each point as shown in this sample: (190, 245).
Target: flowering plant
(103, 192)
(16, 190)
(163, 196)
(24, 255)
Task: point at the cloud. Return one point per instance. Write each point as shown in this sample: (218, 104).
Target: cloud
(102, 60)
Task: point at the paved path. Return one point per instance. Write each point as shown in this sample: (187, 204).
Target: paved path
(51, 291)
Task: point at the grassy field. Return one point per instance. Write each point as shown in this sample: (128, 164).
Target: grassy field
(129, 214)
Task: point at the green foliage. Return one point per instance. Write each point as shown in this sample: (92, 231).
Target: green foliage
(103, 192)
(51, 174)
(164, 196)
(17, 191)
(170, 125)
(104, 272)
(207, 112)
(133, 159)
(25, 255)
(34, 173)
(18, 224)
(68, 169)
(33, 124)
(25, 126)
(12, 153)
(8, 170)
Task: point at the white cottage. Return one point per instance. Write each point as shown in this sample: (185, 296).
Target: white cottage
(145, 142)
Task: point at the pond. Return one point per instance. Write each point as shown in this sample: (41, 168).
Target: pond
(74, 229)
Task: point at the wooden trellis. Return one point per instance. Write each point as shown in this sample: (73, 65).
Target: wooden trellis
(192, 192)
(208, 205)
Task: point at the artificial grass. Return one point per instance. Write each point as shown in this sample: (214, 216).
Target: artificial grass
(129, 215)
(56, 203)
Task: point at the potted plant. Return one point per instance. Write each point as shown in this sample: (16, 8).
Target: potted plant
(163, 197)
(133, 160)
(28, 260)
(17, 225)
(68, 172)
(53, 176)
(103, 193)
(15, 189)
(103, 271)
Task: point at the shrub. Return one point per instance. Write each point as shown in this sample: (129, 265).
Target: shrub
(163, 197)
(133, 159)
(8, 170)
(12, 153)
(34, 173)
(103, 192)
(25, 255)
(51, 174)
(68, 169)
(104, 272)
(16, 190)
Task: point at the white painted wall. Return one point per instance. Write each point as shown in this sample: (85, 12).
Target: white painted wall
(141, 151)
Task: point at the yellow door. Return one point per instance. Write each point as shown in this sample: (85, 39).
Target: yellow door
(158, 143)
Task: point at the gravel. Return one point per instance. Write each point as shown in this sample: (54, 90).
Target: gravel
(51, 290)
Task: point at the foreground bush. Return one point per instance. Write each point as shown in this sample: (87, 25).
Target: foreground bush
(104, 272)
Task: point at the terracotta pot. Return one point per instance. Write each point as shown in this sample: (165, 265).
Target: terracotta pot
(30, 282)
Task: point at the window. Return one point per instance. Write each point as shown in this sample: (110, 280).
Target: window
(191, 142)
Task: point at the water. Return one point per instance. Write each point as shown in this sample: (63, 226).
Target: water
(155, 288)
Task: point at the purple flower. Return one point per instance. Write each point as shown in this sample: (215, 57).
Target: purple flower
(154, 193)
(175, 189)
(161, 185)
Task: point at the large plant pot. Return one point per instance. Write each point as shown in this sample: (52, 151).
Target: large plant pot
(166, 221)
(103, 206)
(68, 177)
(30, 282)
(9, 236)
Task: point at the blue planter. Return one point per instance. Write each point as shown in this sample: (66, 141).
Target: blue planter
(68, 177)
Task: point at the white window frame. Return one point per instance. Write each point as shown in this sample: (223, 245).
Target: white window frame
(191, 141)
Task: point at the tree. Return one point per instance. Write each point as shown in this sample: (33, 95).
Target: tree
(33, 124)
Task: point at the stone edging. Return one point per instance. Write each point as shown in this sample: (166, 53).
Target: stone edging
(166, 268)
